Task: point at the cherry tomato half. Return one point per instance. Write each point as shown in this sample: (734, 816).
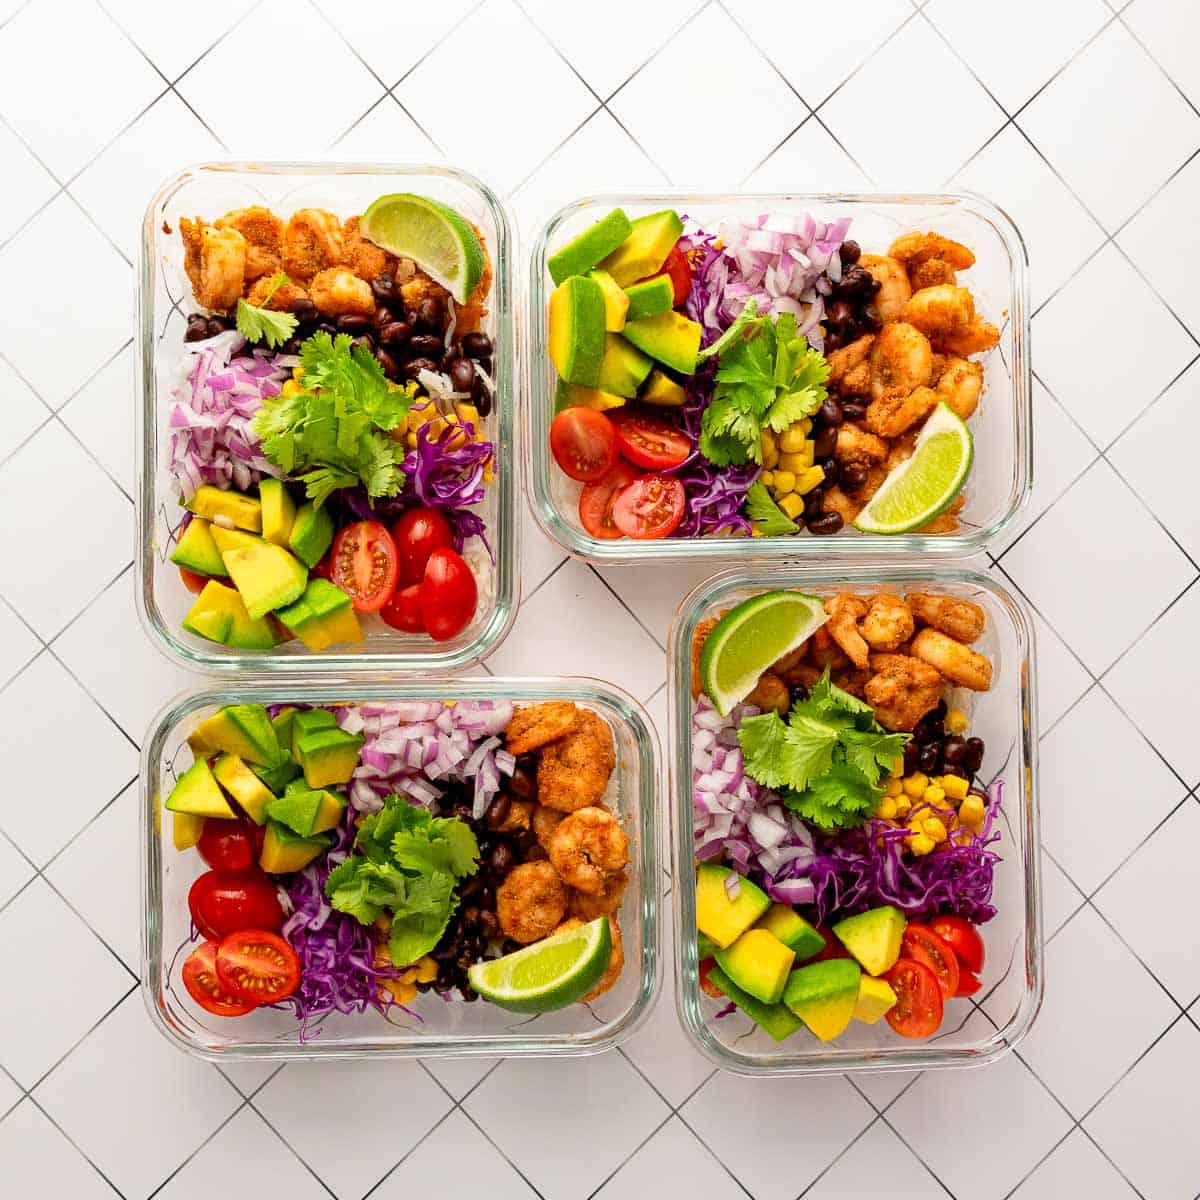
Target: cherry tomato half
(650, 507)
(200, 978)
(922, 945)
(917, 1012)
(257, 966)
(706, 985)
(833, 948)
(583, 443)
(597, 499)
(222, 904)
(680, 271)
(193, 580)
(227, 847)
(963, 938)
(448, 595)
(417, 535)
(364, 565)
(968, 983)
(648, 441)
(403, 610)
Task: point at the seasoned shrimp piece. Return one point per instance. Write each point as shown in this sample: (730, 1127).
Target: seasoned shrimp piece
(852, 681)
(947, 521)
(902, 690)
(916, 247)
(959, 619)
(616, 962)
(421, 287)
(531, 902)
(699, 637)
(930, 273)
(312, 242)
(519, 817)
(573, 772)
(263, 231)
(974, 339)
(770, 692)
(893, 415)
(901, 359)
(543, 823)
(888, 623)
(804, 674)
(958, 663)
(825, 651)
(894, 288)
(901, 450)
(469, 315)
(338, 292)
(363, 257)
(603, 904)
(587, 848)
(281, 298)
(783, 666)
(845, 611)
(535, 725)
(960, 384)
(858, 448)
(215, 262)
(946, 314)
(847, 373)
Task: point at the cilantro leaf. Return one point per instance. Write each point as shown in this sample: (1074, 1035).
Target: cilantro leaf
(257, 323)
(761, 740)
(873, 753)
(840, 799)
(733, 333)
(808, 750)
(769, 519)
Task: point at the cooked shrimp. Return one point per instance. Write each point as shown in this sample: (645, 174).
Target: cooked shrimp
(469, 315)
(338, 292)
(930, 273)
(893, 415)
(888, 623)
(587, 848)
(960, 385)
(852, 681)
(531, 902)
(847, 373)
(616, 962)
(215, 262)
(916, 247)
(699, 637)
(788, 663)
(312, 242)
(262, 230)
(518, 818)
(845, 611)
(573, 772)
(946, 314)
(959, 619)
(544, 822)
(536, 725)
(363, 257)
(894, 288)
(281, 297)
(603, 904)
(975, 339)
(856, 447)
(421, 287)
(901, 450)
(958, 663)
(825, 651)
(901, 359)
(902, 690)
(770, 692)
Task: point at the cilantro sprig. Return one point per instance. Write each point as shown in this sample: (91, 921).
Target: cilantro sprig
(258, 323)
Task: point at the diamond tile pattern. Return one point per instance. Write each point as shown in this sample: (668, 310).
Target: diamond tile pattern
(1079, 118)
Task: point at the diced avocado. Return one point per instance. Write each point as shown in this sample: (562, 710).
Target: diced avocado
(241, 729)
(223, 507)
(646, 248)
(277, 777)
(232, 539)
(308, 812)
(823, 995)
(284, 852)
(281, 722)
(670, 337)
(793, 931)
(720, 918)
(778, 1020)
(278, 511)
(570, 395)
(244, 786)
(329, 756)
(662, 390)
(758, 962)
(309, 721)
(267, 577)
(577, 320)
(705, 946)
(875, 997)
(873, 937)
(650, 297)
(322, 617)
(623, 368)
(197, 551)
(312, 534)
(228, 614)
(616, 302)
(589, 247)
(186, 829)
(209, 623)
(196, 792)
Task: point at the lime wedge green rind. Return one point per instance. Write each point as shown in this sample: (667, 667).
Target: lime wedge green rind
(926, 484)
(438, 239)
(750, 637)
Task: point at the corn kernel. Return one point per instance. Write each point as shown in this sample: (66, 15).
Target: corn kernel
(915, 785)
(297, 373)
(921, 844)
(766, 440)
(932, 827)
(955, 786)
(404, 993)
(767, 479)
(971, 811)
(291, 388)
(887, 808)
(933, 795)
(894, 786)
(792, 439)
(806, 424)
(770, 456)
(792, 504)
(903, 805)
(796, 462)
(811, 478)
(427, 970)
(467, 412)
(785, 482)
(410, 440)
(956, 721)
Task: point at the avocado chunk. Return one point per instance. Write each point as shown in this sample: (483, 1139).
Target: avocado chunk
(329, 756)
(778, 1020)
(232, 539)
(322, 617)
(705, 946)
(267, 577)
(577, 330)
(616, 302)
(589, 247)
(308, 812)
(211, 624)
(197, 551)
(278, 511)
(758, 962)
(571, 395)
(227, 508)
(875, 997)
(623, 368)
(219, 615)
(276, 778)
(282, 723)
(241, 729)
(196, 792)
(309, 721)
(646, 248)
(312, 534)
(186, 829)
(793, 931)
(244, 786)
(873, 937)
(661, 390)
(717, 916)
(823, 995)
(650, 297)
(670, 337)
(284, 851)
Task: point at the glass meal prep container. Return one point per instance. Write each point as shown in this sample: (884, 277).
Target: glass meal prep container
(1005, 718)
(164, 300)
(1001, 475)
(441, 1027)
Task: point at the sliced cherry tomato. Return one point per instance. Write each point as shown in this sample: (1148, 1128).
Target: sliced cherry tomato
(193, 580)
(647, 440)
(597, 499)
(922, 945)
(448, 595)
(222, 904)
(417, 535)
(257, 966)
(963, 938)
(583, 443)
(968, 983)
(706, 985)
(833, 948)
(200, 978)
(227, 847)
(324, 569)
(365, 564)
(917, 1012)
(680, 271)
(403, 610)
(650, 507)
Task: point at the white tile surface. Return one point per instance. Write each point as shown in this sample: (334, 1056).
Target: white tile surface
(28, 185)
(387, 124)
(39, 1161)
(103, 414)
(809, 161)
(1076, 1164)
(879, 1162)
(15, 871)
(155, 25)
(674, 1154)
(1169, 31)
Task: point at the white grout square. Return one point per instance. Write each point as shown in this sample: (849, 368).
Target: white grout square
(15, 873)
(1076, 1168)
(654, 591)
(811, 160)
(39, 1161)
(21, 413)
(1061, 678)
(166, 33)
(882, 1087)
(10, 1094)
(1171, 32)
(27, 184)
(459, 1075)
(18, 646)
(103, 416)
(674, 1154)
(387, 124)
(879, 1163)
(1061, 899)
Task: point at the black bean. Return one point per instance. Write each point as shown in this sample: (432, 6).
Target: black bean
(954, 751)
(383, 316)
(852, 477)
(462, 374)
(834, 339)
(483, 402)
(831, 411)
(215, 325)
(927, 759)
(826, 523)
(854, 410)
(303, 309)
(485, 845)
(953, 769)
(414, 366)
(850, 252)
(430, 314)
(442, 954)
(830, 467)
(353, 323)
(487, 898)
(305, 330)
(926, 735)
(974, 758)
(395, 333)
(291, 346)
(489, 923)
(470, 887)
(383, 288)
(797, 693)
(813, 504)
(498, 810)
(502, 859)
(366, 341)
(327, 327)
(197, 329)
(468, 993)
(391, 368)
(523, 782)
(477, 345)
(825, 443)
(462, 812)
(911, 750)
(428, 344)
(839, 312)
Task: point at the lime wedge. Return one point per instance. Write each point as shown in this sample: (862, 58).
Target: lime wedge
(435, 237)
(750, 637)
(550, 974)
(924, 485)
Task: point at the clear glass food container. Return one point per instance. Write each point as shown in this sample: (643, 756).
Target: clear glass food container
(164, 300)
(1002, 474)
(440, 1027)
(1005, 718)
